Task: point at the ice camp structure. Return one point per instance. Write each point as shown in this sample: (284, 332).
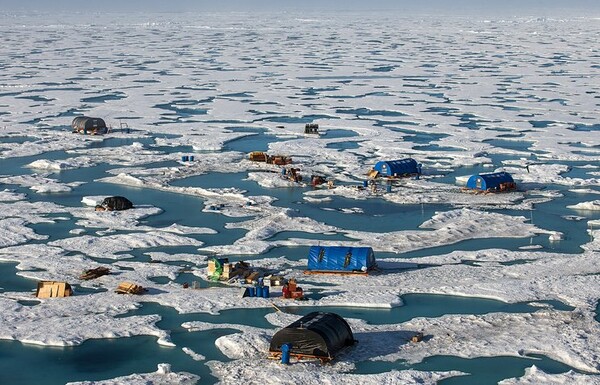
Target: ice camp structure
(316, 335)
(311, 128)
(87, 125)
(340, 260)
(395, 168)
(115, 203)
(492, 182)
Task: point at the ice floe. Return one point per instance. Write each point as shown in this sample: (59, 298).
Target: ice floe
(534, 375)
(72, 320)
(40, 183)
(592, 205)
(162, 376)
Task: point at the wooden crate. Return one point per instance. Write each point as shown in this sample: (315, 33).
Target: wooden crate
(253, 276)
(129, 288)
(51, 289)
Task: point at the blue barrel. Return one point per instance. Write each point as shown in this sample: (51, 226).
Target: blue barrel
(388, 188)
(365, 183)
(283, 171)
(259, 291)
(184, 158)
(265, 292)
(191, 158)
(251, 292)
(285, 353)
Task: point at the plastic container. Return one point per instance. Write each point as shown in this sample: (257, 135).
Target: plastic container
(285, 353)
(265, 292)
(251, 292)
(184, 158)
(191, 158)
(365, 183)
(259, 291)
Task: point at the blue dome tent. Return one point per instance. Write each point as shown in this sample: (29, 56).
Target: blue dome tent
(397, 168)
(497, 181)
(340, 259)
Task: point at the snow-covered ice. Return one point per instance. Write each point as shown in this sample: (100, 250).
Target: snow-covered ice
(162, 376)
(465, 96)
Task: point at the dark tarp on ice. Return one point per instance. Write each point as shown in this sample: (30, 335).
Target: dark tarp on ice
(116, 203)
(317, 334)
(86, 124)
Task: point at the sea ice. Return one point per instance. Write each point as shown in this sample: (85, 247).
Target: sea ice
(162, 376)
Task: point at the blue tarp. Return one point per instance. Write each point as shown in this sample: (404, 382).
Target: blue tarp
(489, 181)
(340, 258)
(398, 167)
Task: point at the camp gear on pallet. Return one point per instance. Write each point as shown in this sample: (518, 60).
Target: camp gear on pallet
(240, 268)
(94, 273)
(372, 174)
(316, 180)
(258, 156)
(215, 268)
(292, 174)
(279, 160)
(255, 291)
(291, 290)
(50, 289)
(253, 276)
(221, 269)
(418, 337)
(273, 280)
(311, 128)
(129, 288)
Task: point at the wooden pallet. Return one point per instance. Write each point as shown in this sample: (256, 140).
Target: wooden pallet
(129, 288)
(277, 356)
(94, 273)
(314, 272)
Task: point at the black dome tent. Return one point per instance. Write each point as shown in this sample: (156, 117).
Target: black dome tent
(87, 125)
(115, 203)
(316, 335)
